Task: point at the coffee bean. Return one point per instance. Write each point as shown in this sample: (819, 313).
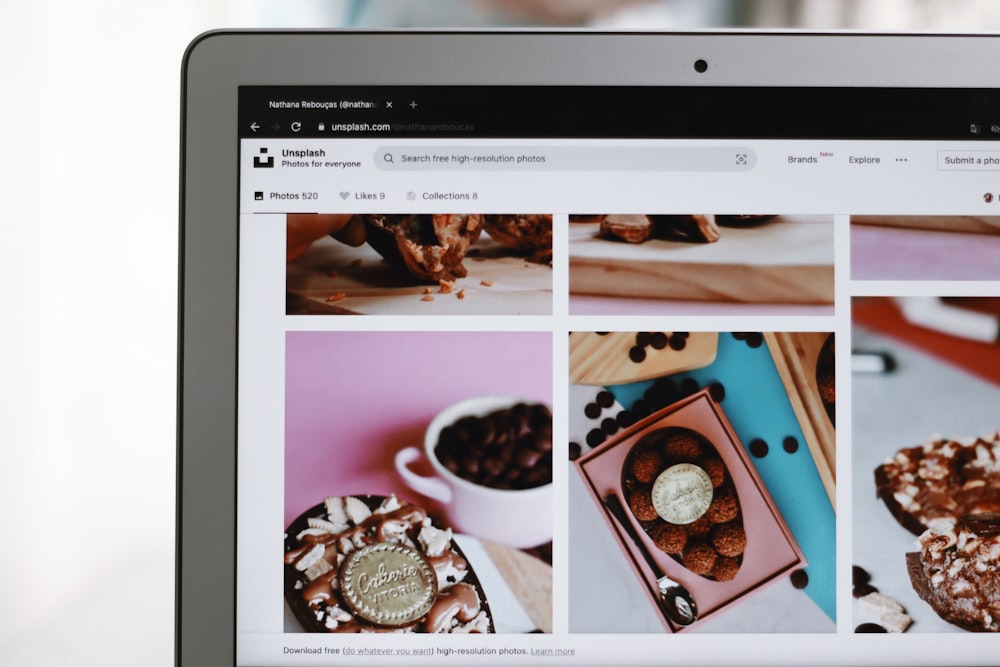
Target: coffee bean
(539, 416)
(496, 449)
(526, 458)
(469, 467)
(448, 461)
(493, 467)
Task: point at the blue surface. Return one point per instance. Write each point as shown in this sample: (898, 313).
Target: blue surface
(757, 406)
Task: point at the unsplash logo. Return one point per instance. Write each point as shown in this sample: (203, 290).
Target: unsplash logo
(263, 161)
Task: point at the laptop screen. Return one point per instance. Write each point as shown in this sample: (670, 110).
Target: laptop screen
(502, 446)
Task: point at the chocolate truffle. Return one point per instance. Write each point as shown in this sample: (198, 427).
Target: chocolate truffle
(725, 569)
(716, 470)
(700, 527)
(729, 539)
(641, 503)
(669, 537)
(699, 558)
(723, 509)
(646, 465)
(683, 448)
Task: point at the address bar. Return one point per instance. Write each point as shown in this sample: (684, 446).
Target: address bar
(565, 158)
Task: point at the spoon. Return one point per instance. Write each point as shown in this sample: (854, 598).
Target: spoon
(676, 602)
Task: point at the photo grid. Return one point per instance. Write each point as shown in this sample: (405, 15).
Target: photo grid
(425, 483)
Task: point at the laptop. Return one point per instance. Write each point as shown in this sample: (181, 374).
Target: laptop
(533, 333)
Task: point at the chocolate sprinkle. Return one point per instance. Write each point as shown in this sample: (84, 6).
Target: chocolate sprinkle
(758, 448)
(790, 444)
(658, 340)
(800, 579)
(574, 451)
(609, 426)
(592, 410)
(677, 343)
(637, 354)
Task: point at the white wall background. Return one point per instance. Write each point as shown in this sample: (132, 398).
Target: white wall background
(88, 254)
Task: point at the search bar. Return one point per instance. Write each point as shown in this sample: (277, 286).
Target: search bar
(565, 158)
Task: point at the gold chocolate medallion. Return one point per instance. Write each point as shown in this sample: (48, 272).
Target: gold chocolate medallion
(682, 493)
(388, 583)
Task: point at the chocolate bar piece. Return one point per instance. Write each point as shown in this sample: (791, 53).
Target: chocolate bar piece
(430, 247)
(941, 480)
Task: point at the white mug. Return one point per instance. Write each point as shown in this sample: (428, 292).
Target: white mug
(515, 518)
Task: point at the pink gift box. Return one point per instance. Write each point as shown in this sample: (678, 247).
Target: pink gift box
(771, 552)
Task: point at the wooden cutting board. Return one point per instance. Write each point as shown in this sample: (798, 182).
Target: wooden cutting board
(597, 359)
(796, 356)
(332, 278)
(979, 224)
(786, 260)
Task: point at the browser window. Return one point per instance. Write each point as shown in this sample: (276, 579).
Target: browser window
(500, 446)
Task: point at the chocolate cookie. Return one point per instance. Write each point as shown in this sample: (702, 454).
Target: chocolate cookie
(628, 228)
(375, 564)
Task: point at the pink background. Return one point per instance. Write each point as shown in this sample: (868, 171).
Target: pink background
(353, 399)
(884, 253)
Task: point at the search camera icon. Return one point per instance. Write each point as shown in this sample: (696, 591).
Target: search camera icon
(388, 158)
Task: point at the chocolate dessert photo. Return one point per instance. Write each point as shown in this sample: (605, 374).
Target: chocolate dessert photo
(926, 464)
(421, 504)
(701, 262)
(703, 481)
(419, 264)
